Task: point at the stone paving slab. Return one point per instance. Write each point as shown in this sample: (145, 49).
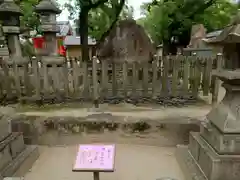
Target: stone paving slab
(22, 163)
(188, 164)
(171, 115)
(133, 162)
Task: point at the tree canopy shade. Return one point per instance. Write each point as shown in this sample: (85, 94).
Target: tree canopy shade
(170, 21)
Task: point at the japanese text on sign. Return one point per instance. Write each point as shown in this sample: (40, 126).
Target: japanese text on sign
(95, 158)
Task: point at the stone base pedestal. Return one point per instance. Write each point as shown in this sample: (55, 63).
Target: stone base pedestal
(13, 153)
(4, 129)
(201, 162)
(223, 143)
(10, 148)
(22, 163)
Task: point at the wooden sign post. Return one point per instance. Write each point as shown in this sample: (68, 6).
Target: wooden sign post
(95, 158)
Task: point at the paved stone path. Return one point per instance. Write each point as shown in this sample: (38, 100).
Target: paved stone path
(182, 114)
(159, 114)
(133, 162)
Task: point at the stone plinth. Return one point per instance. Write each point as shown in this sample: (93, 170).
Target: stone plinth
(13, 151)
(11, 29)
(4, 51)
(222, 143)
(53, 59)
(51, 28)
(4, 129)
(15, 156)
(214, 152)
(201, 161)
(10, 148)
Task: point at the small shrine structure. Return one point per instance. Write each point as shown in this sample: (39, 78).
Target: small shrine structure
(214, 152)
(127, 41)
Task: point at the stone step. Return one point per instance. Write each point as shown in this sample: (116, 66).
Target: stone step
(4, 129)
(188, 164)
(10, 148)
(22, 163)
(222, 143)
(214, 166)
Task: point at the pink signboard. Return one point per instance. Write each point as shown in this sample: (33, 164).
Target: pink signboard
(95, 158)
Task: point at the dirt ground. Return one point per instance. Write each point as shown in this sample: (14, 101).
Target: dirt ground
(133, 162)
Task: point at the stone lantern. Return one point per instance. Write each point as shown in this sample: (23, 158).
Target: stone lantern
(214, 153)
(10, 16)
(48, 10)
(4, 52)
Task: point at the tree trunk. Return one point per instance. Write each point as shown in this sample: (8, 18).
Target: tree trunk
(83, 30)
(169, 48)
(117, 14)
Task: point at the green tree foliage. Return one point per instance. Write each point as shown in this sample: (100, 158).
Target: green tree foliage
(170, 21)
(218, 15)
(83, 8)
(101, 19)
(30, 18)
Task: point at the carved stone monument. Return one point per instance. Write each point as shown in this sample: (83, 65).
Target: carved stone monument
(197, 34)
(127, 41)
(214, 153)
(47, 9)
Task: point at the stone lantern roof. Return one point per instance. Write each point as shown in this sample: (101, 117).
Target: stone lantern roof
(47, 6)
(230, 34)
(8, 6)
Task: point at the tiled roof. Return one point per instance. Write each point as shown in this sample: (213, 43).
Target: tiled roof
(64, 27)
(213, 34)
(75, 40)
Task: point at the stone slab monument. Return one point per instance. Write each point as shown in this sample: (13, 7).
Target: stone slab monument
(198, 32)
(127, 41)
(13, 152)
(214, 152)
